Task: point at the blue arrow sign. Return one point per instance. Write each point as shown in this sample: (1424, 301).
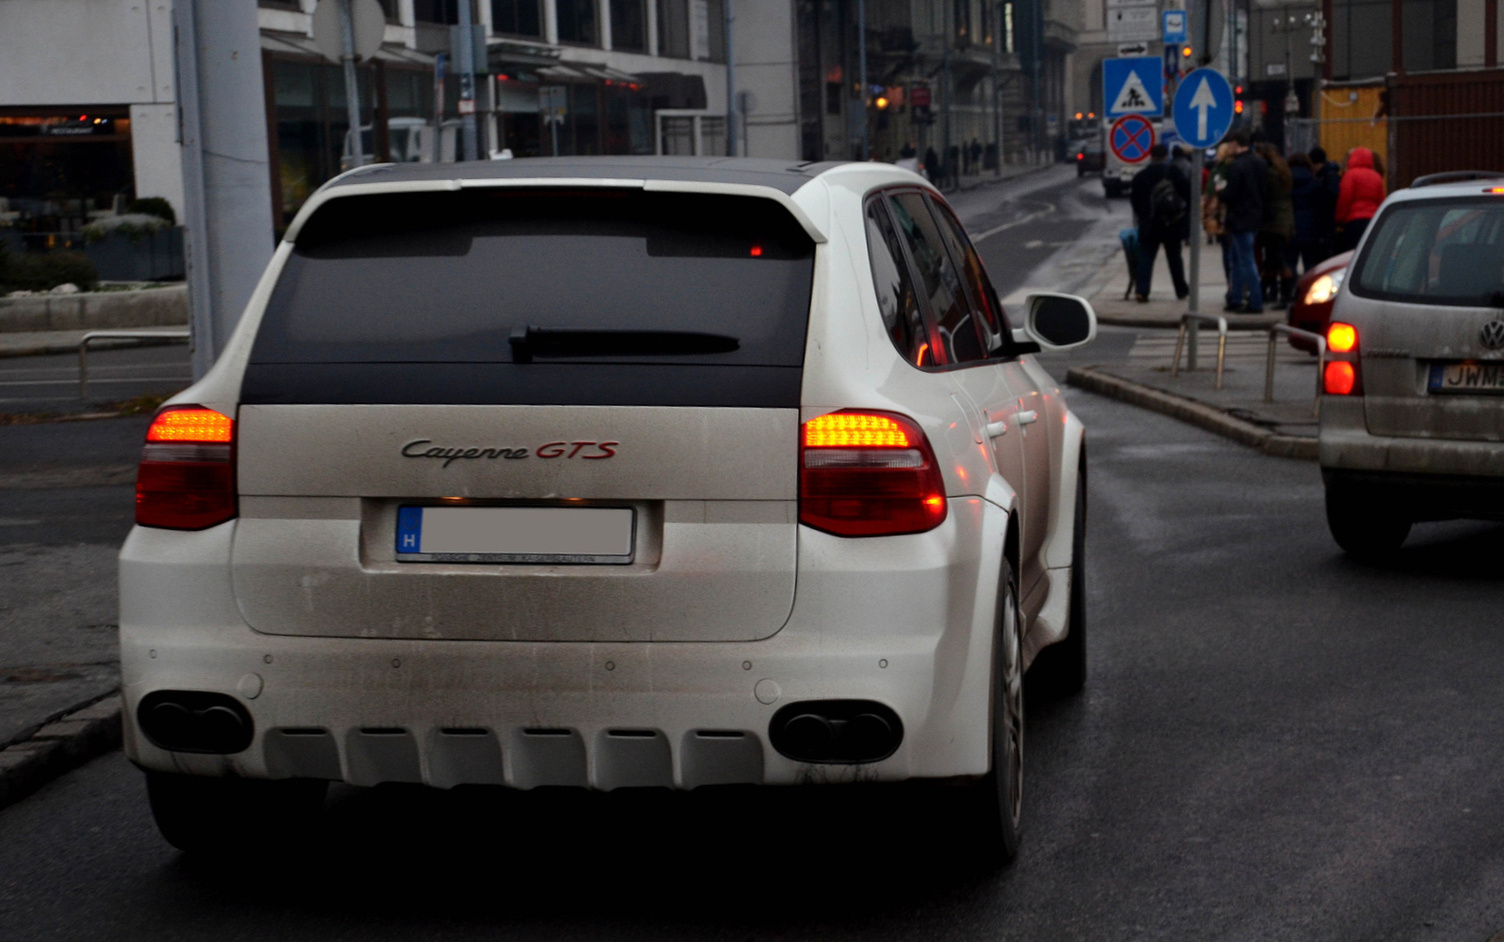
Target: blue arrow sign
(1133, 86)
(1203, 108)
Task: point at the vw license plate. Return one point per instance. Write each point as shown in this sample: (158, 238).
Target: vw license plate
(575, 535)
(1467, 378)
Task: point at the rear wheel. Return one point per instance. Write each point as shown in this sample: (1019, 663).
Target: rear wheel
(994, 803)
(1060, 669)
(218, 816)
(1360, 523)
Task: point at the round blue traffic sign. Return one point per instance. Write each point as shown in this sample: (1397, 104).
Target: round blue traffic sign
(1203, 109)
(1131, 138)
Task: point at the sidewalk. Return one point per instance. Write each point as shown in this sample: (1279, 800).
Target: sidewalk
(1142, 373)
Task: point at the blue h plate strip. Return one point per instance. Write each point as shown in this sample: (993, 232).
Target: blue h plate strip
(410, 529)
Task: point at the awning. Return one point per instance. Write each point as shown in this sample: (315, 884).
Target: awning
(296, 44)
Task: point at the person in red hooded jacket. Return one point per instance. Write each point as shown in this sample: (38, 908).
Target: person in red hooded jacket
(1362, 192)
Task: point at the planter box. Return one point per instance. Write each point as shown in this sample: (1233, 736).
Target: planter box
(150, 307)
(153, 257)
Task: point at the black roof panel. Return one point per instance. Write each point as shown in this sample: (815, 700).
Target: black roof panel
(784, 175)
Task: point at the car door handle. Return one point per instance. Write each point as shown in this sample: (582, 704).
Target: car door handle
(996, 429)
(1026, 418)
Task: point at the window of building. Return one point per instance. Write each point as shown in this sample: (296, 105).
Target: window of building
(963, 22)
(444, 12)
(692, 29)
(577, 22)
(517, 17)
(281, 4)
(1008, 27)
(629, 25)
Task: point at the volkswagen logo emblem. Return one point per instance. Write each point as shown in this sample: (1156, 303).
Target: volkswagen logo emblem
(1492, 334)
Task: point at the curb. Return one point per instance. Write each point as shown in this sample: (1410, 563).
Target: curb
(66, 741)
(1093, 379)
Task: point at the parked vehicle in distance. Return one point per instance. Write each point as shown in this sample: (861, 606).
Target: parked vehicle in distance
(1315, 293)
(1088, 156)
(1412, 423)
(1117, 173)
(740, 475)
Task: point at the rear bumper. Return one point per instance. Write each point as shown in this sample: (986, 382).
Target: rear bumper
(905, 621)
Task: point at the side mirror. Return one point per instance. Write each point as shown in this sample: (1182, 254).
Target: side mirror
(1060, 321)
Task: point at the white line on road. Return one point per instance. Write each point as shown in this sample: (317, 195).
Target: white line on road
(100, 382)
(1048, 208)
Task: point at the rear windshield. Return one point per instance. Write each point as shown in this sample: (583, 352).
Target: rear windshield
(1448, 252)
(600, 291)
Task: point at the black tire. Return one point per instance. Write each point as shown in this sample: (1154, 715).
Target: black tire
(209, 816)
(1361, 523)
(993, 804)
(1060, 669)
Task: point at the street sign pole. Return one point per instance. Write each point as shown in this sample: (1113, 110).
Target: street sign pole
(352, 88)
(1203, 111)
(1197, 157)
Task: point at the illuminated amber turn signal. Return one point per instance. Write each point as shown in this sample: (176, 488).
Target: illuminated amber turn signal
(191, 425)
(854, 430)
(1341, 338)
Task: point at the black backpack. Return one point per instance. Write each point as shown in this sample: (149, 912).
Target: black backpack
(1166, 207)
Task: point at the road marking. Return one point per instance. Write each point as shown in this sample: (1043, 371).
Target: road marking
(106, 382)
(1048, 208)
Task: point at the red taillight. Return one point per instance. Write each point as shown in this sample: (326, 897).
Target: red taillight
(868, 474)
(1341, 376)
(187, 476)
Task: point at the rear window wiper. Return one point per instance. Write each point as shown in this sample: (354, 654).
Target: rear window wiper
(533, 342)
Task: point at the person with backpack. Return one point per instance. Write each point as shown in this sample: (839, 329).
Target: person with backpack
(1278, 229)
(1324, 209)
(1161, 196)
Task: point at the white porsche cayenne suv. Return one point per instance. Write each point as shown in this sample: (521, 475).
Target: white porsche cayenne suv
(610, 473)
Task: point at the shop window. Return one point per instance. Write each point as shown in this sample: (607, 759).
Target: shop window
(584, 113)
(577, 22)
(629, 27)
(678, 136)
(517, 17)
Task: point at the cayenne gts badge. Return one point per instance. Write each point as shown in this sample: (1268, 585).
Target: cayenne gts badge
(1492, 334)
(425, 448)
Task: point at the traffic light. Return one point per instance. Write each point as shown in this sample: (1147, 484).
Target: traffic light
(881, 101)
(1237, 103)
(1185, 52)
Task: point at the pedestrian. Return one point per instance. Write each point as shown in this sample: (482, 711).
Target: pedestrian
(1161, 197)
(932, 165)
(1328, 184)
(1359, 197)
(953, 165)
(1278, 229)
(976, 156)
(1213, 213)
(1305, 250)
(1244, 197)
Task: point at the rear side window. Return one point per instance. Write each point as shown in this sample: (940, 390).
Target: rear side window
(940, 281)
(539, 296)
(1448, 252)
(903, 319)
(993, 320)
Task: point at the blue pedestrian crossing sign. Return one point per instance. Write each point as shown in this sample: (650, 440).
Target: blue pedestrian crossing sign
(1203, 108)
(1133, 85)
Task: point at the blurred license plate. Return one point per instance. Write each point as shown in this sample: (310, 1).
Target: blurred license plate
(1467, 378)
(590, 535)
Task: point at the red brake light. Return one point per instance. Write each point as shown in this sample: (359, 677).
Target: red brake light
(1341, 338)
(186, 480)
(868, 474)
(1340, 378)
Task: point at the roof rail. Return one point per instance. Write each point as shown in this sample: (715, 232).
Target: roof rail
(1455, 176)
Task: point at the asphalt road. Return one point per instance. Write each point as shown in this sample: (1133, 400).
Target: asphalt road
(1275, 743)
(50, 383)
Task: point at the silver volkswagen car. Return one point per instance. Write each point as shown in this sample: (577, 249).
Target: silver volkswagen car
(607, 473)
(1412, 423)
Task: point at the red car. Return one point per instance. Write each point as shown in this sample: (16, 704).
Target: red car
(1314, 294)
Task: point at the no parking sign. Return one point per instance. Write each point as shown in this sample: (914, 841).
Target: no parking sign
(1131, 138)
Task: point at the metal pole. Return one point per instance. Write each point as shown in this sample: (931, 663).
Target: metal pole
(227, 203)
(467, 80)
(730, 81)
(997, 88)
(439, 61)
(352, 87)
(861, 52)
